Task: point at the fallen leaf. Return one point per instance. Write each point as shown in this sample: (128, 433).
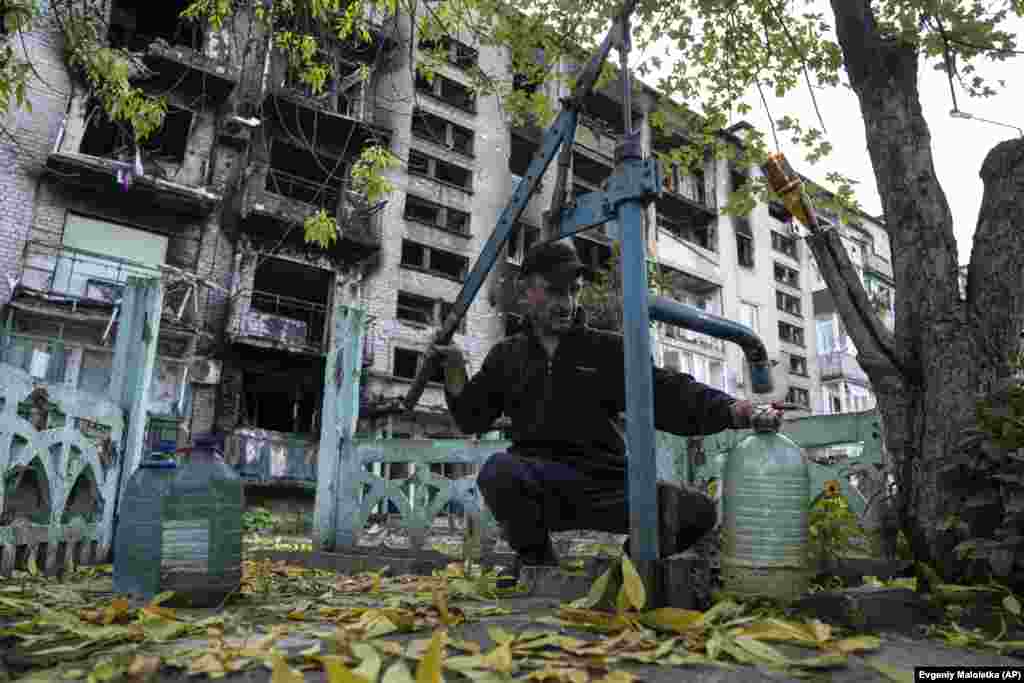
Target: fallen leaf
(891, 672)
(633, 584)
(598, 590)
(778, 630)
(1011, 605)
(429, 668)
(33, 568)
(369, 662)
(337, 672)
(282, 673)
(144, 665)
(499, 659)
(559, 675)
(673, 619)
(398, 673)
(441, 603)
(856, 644)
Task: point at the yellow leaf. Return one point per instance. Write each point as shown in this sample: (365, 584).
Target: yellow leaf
(33, 568)
(822, 631)
(500, 658)
(208, 663)
(856, 644)
(429, 668)
(296, 615)
(778, 630)
(144, 665)
(674, 619)
(441, 603)
(470, 646)
(602, 621)
(337, 672)
(157, 611)
(617, 677)
(559, 675)
(633, 584)
(499, 635)
(282, 673)
(1011, 605)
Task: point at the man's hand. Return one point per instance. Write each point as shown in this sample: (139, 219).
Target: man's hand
(744, 414)
(454, 364)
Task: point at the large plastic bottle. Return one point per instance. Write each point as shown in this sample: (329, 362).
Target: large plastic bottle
(765, 518)
(180, 529)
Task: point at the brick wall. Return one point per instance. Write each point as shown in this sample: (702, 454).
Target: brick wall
(33, 133)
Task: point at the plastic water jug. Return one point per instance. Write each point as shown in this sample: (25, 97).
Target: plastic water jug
(180, 529)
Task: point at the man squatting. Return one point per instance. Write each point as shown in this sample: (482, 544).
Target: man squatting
(562, 386)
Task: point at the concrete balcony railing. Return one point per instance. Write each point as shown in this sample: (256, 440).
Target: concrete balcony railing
(276, 320)
(841, 365)
(289, 197)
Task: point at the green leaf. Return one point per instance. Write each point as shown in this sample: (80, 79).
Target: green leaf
(1011, 605)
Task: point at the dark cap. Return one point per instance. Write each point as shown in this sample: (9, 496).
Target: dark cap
(553, 260)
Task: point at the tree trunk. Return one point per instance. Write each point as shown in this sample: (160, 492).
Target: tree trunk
(944, 351)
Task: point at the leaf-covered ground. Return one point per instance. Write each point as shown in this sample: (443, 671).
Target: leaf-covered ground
(288, 620)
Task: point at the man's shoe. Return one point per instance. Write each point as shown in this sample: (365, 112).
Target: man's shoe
(542, 557)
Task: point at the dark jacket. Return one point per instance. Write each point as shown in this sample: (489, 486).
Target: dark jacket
(568, 407)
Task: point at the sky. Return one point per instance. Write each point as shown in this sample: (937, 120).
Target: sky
(959, 145)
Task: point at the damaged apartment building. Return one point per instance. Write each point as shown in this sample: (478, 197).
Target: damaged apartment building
(213, 204)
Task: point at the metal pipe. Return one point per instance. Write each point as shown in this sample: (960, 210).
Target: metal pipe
(671, 312)
(642, 473)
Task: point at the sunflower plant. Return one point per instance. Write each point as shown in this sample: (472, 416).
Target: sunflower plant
(834, 529)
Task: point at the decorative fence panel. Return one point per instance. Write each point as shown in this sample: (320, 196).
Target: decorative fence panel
(59, 470)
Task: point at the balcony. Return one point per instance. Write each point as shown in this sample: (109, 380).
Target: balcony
(285, 198)
(153, 195)
(841, 365)
(878, 265)
(184, 68)
(279, 321)
(91, 284)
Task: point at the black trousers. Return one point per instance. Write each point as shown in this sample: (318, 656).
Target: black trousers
(531, 497)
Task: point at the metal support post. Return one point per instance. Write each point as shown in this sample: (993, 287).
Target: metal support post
(642, 464)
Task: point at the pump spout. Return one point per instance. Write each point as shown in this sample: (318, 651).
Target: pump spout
(671, 312)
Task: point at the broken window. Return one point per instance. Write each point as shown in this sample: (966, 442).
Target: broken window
(787, 303)
(787, 275)
(685, 229)
(289, 302)
(444, 217)
(438, 131)
(744, 242)
(457, 53)
(415, 309)
(422, 310)
(167, 144)
(588, 172)
(305, 176)
(448, 91)
(784, 244)
(438, 169)
(798, 365)
(282, 394)
(407, 365)
(799, 396)
(135, 24)
(521, 155)
(791, 334)
(434, 260)
(594, 255)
